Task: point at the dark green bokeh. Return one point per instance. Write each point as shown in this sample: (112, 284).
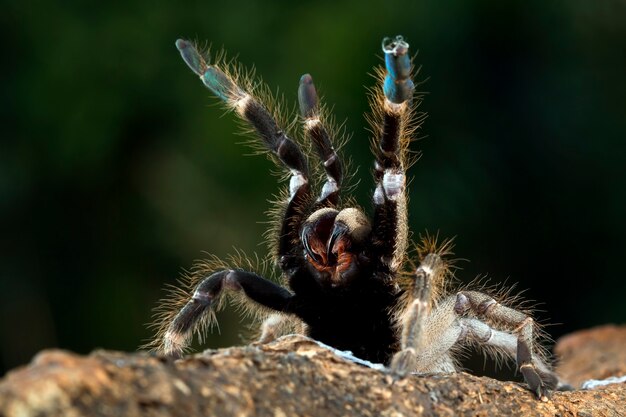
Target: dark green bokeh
(116, 172)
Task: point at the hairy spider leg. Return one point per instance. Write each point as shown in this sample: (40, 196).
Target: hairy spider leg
(415, 332)
(519, 344)
(398, 85)
(390, 148)
(273, 137)
(178, 334)
(318, 134)
(428, 336)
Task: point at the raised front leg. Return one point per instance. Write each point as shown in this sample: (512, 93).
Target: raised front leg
(319, 135)
(393, 124)
(273, 137)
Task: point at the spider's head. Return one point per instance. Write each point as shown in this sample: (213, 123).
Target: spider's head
(332, 240)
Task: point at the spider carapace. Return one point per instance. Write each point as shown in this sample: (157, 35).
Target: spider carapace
(346, 278)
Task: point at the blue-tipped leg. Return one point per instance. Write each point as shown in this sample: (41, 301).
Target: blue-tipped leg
(191, 56)
(398, 86)
(213, 78)
(220, 84)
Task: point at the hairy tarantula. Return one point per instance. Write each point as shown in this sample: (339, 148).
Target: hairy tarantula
(348, 278)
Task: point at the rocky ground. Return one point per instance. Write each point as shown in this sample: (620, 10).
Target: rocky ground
(296, 377)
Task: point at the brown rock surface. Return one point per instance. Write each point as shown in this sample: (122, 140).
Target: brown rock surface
(596, 353)
(290, 377)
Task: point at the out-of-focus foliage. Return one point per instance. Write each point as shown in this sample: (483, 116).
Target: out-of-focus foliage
(116, 171)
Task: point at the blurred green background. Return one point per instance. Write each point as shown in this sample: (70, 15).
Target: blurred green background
(117, 171)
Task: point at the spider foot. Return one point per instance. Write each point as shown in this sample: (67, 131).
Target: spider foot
(535, 382)
(398, 86)
(270, 330)
(177, 336)
(540, 381)
(403, 363)
(198, 311)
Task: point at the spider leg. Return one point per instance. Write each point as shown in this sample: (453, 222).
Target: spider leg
(177, 335)
(252, 111)
(536, 373)
(277, 324)
(318, 134)
(392, 129)
(429, 337)
(540, 380)
(270, 328)
(414, 321)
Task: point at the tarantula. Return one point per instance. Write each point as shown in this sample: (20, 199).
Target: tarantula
(348, 278)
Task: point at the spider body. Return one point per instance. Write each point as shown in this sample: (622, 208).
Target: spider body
(354, 318)
(346, 273)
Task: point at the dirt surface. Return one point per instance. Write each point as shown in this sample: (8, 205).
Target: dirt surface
(296, 377)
